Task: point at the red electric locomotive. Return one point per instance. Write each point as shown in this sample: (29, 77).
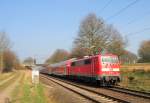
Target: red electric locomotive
(104, 69)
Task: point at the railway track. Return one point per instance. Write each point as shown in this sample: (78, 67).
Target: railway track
(86, 93)
(111, 94)
(140, 94)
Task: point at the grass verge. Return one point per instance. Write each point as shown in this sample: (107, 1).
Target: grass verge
(136, 79)
(26, 92)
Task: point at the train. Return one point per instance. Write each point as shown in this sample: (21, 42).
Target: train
(103, 69)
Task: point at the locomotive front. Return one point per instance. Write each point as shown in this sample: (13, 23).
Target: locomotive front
(110, 69)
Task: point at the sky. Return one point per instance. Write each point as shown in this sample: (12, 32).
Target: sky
(37, 28)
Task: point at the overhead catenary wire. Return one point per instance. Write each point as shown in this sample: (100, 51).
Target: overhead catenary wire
(146, 14)
(105, 6)
(145, 29)
(135, 20)
(121, 10)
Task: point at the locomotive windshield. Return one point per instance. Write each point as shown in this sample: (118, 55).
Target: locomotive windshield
(110, 59)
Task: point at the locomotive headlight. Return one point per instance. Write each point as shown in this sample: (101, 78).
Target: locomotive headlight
(116, 69)
(111, 69)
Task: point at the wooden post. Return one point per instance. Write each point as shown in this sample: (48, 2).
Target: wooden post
(1, 61)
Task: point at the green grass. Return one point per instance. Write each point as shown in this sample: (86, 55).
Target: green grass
(136, 79)
(39, 97)
(26, 92)
(33, 94)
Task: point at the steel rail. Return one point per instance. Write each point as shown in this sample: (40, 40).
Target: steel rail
(98, 93)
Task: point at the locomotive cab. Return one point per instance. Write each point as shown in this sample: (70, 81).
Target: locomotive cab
(109, 70)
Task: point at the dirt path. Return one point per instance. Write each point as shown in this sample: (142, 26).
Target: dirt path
(3, 76)
(21, 90)
(6, 92)
(5, 80)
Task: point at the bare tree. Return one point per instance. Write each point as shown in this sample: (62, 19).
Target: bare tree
(57, 56)
(4, 41)
(91, 34)
(144, 51)
(94, 35)
(78, 52)
(10, 60)
(4, 44)
(116, 43)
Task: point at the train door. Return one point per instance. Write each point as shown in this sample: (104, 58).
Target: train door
(67, 70)
(88, 67)
(69, 67)
(93, 66)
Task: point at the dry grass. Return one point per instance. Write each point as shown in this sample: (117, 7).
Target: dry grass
(9, 82)
(137, 79)
(17, 90)
(3, 76)
(138, 66)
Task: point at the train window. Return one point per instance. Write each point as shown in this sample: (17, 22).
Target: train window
(79, 63)
(73, 64)
(103, 59)
(87, 61)
(110, 60)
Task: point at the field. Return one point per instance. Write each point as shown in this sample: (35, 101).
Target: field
(18, 88)
(136, 77)
(138, 66)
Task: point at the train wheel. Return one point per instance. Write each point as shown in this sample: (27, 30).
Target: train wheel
(102, 83)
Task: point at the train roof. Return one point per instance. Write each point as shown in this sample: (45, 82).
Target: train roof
(78, 59)
(92, 56)
(62, 63)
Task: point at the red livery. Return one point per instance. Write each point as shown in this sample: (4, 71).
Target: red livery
(104, 69)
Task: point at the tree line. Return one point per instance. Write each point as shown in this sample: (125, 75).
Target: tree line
(96, 36)
(8, 58)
